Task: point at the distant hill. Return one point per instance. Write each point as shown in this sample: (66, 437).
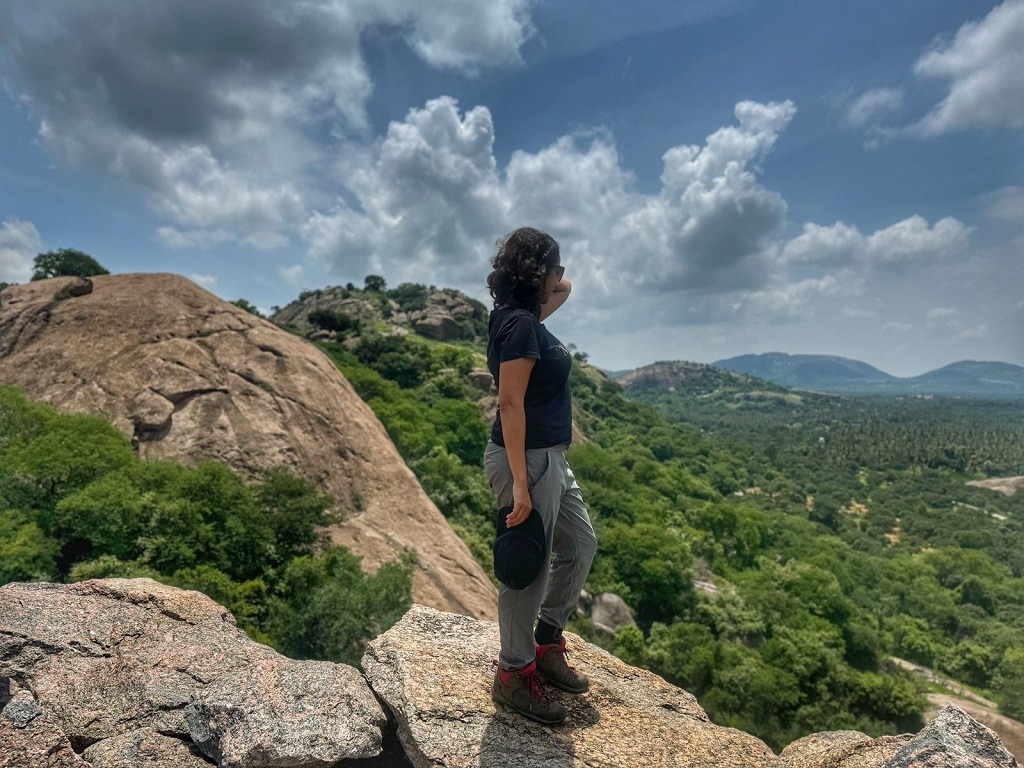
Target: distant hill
(705, 396)
(828, 373)
(973, 376)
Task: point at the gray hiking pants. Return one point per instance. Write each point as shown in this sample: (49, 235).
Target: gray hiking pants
(570, 536)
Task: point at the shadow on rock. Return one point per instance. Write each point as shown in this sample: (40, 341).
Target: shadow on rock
(513, 740)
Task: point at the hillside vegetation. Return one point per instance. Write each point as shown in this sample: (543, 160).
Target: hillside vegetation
(76, 503)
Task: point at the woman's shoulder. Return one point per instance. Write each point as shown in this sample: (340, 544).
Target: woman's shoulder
(510, 319)
(515, 310)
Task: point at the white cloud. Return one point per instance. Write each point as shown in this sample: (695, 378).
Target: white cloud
(789, 301)
(840, 244)
(1006, 204)
(19, 244)
(983, 63)
(898, 245)
(431, 198)
(897, 326)
(912, 239)
(218, 110)
(180, 239)
(209, 282)
(871, 105)
(291, 275)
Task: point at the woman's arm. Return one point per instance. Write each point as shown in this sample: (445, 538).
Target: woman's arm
(513, 376)
(557, 299)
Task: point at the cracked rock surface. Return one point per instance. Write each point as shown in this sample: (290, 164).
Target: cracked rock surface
(434, 671)
(953, 739)
(123, 669)
(193, 377)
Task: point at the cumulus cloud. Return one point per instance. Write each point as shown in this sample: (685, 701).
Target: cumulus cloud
(787, 301)
(291, 275)
(431, 198)
(872, 105)
(1006, 204)
(900, 245)
(983, 64)
(208, 106)
(19, 244)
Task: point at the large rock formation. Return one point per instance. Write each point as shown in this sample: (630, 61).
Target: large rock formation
(194, 377)
(128, 673)
(130, 666)
(442, 314)
(434, 671)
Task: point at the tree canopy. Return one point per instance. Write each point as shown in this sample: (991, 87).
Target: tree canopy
(65, 262)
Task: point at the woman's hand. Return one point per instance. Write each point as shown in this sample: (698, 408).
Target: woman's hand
(522, 504)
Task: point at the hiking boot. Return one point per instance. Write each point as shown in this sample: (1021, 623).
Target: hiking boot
(552, 666)
(522, 690)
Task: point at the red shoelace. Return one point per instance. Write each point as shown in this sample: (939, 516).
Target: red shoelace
(532, 681)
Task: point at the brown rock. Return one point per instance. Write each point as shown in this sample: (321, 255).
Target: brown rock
(437, 326)
(194, 377)
(609, 610)
(144, 748)
(952, 740)
(841, 749)
(481, 379)
(111, 656)
(434, 671)
(29, 738)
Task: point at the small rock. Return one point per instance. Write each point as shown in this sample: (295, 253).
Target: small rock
(953, 739)
(28, 737)
(81, 287)
(481, 379)
(438, 327)
(610, 610)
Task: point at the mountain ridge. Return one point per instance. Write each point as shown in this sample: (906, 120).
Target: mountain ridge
(831, 373)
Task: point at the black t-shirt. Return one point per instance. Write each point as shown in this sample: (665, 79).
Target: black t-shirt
(514, 332)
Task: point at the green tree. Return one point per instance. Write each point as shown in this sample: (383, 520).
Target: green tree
(327, 608)
(375, 283)
(26, 554)
(248, 307)
(65, 261)
(331, 320)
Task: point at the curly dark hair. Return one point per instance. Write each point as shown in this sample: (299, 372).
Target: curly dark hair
(522, 260)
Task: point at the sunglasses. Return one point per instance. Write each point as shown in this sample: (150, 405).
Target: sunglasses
(558, 271)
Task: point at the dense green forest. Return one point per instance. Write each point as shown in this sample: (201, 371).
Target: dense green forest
(76, 503)
(826, 557)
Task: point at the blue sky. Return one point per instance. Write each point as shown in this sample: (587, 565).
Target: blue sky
(723, 177)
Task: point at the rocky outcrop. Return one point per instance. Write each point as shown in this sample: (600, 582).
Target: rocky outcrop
(953, 738)
(127, 667)
(442, 314)
(127, 673)
(188, 376)
(667, 375)
(434, 671)
(607, 611)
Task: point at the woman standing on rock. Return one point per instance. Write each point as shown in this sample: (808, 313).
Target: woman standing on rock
(525, 465)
